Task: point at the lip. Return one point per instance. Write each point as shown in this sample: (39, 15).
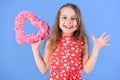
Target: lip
(68, 26)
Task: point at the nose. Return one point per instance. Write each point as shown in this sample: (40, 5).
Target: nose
(69, 21)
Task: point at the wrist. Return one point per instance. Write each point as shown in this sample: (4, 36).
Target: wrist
(35, 48)
(97, 47)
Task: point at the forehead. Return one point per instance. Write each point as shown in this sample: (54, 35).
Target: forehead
(67, 11)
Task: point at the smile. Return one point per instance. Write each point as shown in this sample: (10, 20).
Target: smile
(68, 27)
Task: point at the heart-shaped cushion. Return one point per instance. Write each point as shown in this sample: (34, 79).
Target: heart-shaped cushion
(21, 36)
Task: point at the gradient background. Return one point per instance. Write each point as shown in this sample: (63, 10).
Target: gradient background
(17, 62)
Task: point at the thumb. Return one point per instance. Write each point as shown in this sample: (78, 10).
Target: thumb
(39, 40)
(93, 37)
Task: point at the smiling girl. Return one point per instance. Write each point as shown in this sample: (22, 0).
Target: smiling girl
(66, 50)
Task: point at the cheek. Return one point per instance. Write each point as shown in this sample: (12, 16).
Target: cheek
(75, 23)
(61, 22)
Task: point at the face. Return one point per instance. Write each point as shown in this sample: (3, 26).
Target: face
(68, 21)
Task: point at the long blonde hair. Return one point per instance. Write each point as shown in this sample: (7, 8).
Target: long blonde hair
(79, 34)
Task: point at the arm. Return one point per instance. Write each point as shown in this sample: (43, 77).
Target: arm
(43, 63)
(90, 61)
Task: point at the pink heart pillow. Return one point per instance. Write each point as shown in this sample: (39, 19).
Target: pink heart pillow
(21, 36)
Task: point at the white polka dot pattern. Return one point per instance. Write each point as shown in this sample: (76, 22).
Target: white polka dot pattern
(66, 60)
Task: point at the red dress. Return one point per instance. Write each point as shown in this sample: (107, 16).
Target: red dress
(66, 60)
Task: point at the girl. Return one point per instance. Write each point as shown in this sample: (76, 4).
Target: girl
(66, 50)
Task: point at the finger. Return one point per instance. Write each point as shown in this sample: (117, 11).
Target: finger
(107, 37)
(103, 34)
(40, 40)
(107, 45)
(93, 37)
(35, 42)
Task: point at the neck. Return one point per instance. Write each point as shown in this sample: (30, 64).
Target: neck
(67, 34)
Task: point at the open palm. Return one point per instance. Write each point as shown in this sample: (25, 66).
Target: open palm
(101, 41)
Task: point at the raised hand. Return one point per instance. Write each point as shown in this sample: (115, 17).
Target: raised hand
(101, 41)
(36, 44)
